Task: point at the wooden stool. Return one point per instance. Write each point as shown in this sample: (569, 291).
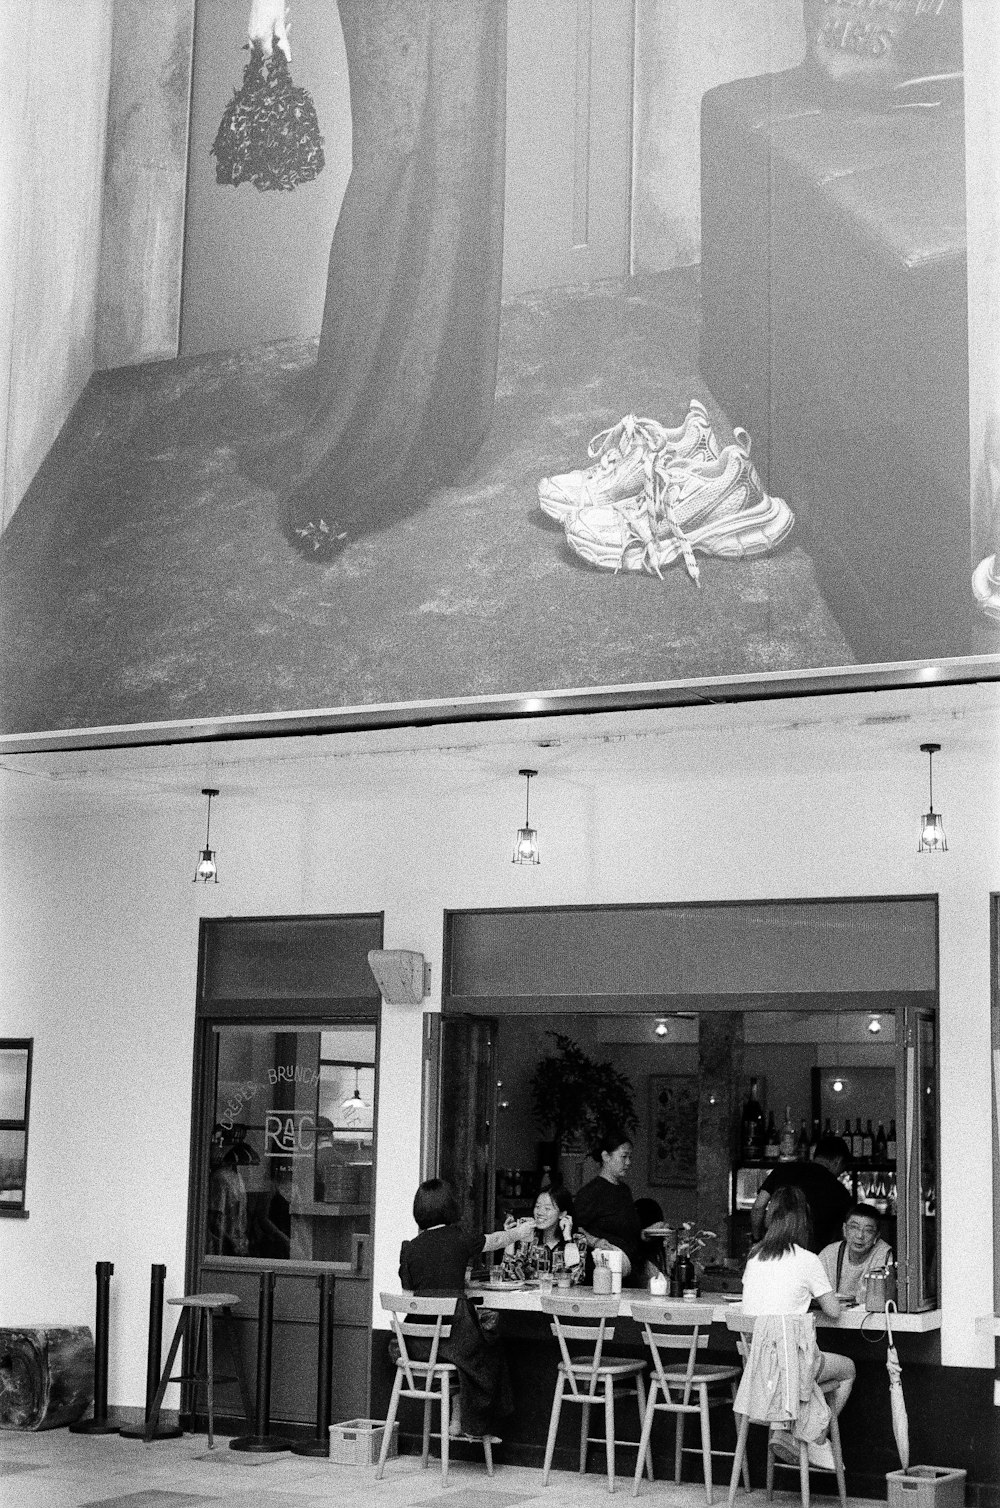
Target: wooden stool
(193, 1306)
(589, 1380)
(431, 1381)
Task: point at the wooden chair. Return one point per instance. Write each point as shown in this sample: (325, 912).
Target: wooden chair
(193, 1307)
(742, 1325)
(431, 1380)
(587, 1378)
(686, 1387)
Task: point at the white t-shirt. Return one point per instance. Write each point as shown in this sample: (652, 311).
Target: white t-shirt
(785, 1284)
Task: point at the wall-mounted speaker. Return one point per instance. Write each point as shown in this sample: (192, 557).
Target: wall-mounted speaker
(404, 977)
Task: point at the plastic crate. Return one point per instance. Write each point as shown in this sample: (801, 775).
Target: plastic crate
(926, 1487)
(358, 1442)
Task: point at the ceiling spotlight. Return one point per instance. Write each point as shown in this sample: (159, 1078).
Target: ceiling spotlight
(932, 838)
(837, 1086)
(661, 1028)
(526, 842)
(207, 870)
(875, 1023)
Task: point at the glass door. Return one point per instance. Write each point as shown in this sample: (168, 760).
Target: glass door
(286, 1181)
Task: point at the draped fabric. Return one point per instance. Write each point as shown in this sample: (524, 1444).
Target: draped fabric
(406, 372)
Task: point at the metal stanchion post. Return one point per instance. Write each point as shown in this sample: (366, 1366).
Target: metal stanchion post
(99, 1424)
(158, 1276)
(320, 1444)
(262, 1439)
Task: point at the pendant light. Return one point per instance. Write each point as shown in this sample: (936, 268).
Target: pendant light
(354, 1104)
(932, 838)
(207, 870)
(526, 842)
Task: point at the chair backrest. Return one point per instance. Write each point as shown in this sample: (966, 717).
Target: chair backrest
(585, 1322)
(666, 1327)
(742, 1325)
(424, 1319)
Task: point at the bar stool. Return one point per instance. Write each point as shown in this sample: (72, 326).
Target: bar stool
(587, 1377)
(686, 1385)
(193, 1307)
(431, 1380)
(742, 1325)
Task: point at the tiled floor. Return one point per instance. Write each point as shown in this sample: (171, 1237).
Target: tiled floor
(55, 1469)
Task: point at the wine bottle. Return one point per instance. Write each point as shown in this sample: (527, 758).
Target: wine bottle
(802, 1144)
(828, 1129)
(772, 1146)
(857, 1138)
(752, 1127)
(890, 1146)
(786, 1144)
(867, 1141)
(814, 1138)
(880, 1145)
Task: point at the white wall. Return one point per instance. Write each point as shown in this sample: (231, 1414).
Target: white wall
(98, 929)
(56, 61)
(682, 48)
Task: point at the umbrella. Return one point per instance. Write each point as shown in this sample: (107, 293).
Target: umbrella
(897, 1403)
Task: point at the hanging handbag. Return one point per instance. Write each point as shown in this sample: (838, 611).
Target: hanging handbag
(269, 134)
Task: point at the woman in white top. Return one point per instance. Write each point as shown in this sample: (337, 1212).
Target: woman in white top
(783, 1277)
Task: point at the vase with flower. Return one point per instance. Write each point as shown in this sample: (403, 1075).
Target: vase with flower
(684, 1277)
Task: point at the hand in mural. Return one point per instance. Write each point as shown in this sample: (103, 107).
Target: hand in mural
(269, 26)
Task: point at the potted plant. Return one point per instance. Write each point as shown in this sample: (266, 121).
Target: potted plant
(573, 1097)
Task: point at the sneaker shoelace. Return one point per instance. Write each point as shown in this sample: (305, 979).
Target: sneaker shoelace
(660, 498)
(619, 438)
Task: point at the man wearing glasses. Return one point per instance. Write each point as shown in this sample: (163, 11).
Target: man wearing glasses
(861, 1251)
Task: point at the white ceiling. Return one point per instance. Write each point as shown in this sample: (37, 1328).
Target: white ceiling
(837, 729)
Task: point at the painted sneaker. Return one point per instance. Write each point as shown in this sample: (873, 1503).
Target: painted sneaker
(783, 1447)
(821, 1456)
(620, 461)
(716, 507)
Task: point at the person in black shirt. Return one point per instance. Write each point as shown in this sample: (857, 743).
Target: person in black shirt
(819, 1180)
(433, 1264)
(605, 1211)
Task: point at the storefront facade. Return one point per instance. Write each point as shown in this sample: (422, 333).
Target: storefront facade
(782, 801)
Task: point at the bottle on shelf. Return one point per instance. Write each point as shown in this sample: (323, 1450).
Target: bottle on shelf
(802, 1143)
(867, 1143)
(880, 1145)
(787, 1140)
(752, 1127)
(772, 1146)
(857, 1138)
(890, 1145)
(545, 1181)
(828, 1128)
(814, 1138)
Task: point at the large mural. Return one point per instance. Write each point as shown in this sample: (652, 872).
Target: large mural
(567, 356)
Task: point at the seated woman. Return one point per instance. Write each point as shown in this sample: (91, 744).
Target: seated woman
(783, 1277)
(861, 1251)
(433, 1265)
(550, 1243)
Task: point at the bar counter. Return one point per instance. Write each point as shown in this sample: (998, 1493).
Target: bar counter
(525, 1298)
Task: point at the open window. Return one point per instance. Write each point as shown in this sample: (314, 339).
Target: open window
(690, 1003)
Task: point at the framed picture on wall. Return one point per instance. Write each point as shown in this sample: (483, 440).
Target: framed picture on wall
(673, 1130)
